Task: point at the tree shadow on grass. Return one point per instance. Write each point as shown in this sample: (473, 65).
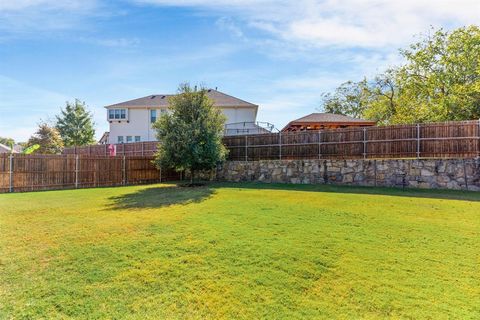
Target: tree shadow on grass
(387, 191)
(160, 197)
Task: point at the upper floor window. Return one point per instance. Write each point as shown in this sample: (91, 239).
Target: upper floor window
(117, 114)
(153, 116)
(129, 139)
(120, 139)
(137, 138)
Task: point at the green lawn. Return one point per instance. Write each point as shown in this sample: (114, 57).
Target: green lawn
(240, 251)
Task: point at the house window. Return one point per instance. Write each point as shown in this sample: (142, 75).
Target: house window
(120, 139)
(137, 138)
(118, 114)
(162, 111)
(153, 116)
(129, 139)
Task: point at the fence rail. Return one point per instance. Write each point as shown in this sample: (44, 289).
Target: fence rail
(435, 140)
(47, 172)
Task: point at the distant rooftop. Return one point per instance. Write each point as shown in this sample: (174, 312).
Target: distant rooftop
(327, 120)
(220, 99)
(6, 149)
(329, 117)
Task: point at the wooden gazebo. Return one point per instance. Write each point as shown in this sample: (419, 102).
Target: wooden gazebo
(320, 121)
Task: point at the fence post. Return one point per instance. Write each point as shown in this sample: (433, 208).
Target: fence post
(76, 170)
(280, 145)
(319, 144)
(418, 141)
(124, 173)
(95, 174)
(246, 148)
(478, 145)
(364, 143)
(10, 170)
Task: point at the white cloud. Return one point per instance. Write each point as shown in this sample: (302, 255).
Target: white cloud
(111, 42)
(17, 5)
(312, 23)
(30, 16)
(229, 25)
(352, 23)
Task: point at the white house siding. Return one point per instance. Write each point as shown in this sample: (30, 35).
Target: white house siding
(139, 122)
(138, 125)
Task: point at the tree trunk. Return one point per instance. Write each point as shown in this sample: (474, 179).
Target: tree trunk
(192, 174)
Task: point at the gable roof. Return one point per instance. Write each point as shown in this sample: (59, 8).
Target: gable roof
(329, 118)
(6, 149)
(220, 99)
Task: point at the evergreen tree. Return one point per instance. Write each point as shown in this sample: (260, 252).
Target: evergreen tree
(75, 125)
(190, 134)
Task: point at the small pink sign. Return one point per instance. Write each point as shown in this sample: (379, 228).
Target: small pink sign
(112, 149)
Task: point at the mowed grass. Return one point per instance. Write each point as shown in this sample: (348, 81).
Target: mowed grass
(240, 251)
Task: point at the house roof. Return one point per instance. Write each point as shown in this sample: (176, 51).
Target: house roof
(104, 138)
(220, 99)
(328, 118)
(6, 149)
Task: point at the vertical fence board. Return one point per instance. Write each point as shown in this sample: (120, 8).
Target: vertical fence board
(48, 172)
(434, 140)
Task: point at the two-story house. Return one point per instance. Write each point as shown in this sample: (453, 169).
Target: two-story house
(131, 121)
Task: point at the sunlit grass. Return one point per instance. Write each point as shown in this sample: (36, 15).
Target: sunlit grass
(240, 251)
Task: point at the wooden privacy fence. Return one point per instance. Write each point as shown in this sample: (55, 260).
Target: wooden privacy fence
(125, 149)
(435, 140)
(46, 172)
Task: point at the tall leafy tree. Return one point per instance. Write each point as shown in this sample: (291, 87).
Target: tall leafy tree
(190, 134)
(47, 138)
(441, 78)
(350, 98)
(75, 124)
(439, 81)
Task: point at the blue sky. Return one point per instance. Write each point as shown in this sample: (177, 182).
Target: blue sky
(278, 54)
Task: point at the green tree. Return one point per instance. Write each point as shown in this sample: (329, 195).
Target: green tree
(75, 124)
(7, 141)
(350, 98)
(441, 78)
(190, 134)
(47, 138)
(439, 81)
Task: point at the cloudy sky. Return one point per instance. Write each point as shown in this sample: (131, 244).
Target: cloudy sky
(276, 53)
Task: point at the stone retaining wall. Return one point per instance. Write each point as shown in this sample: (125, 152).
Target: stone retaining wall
(441, 173)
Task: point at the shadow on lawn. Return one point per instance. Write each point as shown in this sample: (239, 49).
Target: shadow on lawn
(160, 197)
(387, 191)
